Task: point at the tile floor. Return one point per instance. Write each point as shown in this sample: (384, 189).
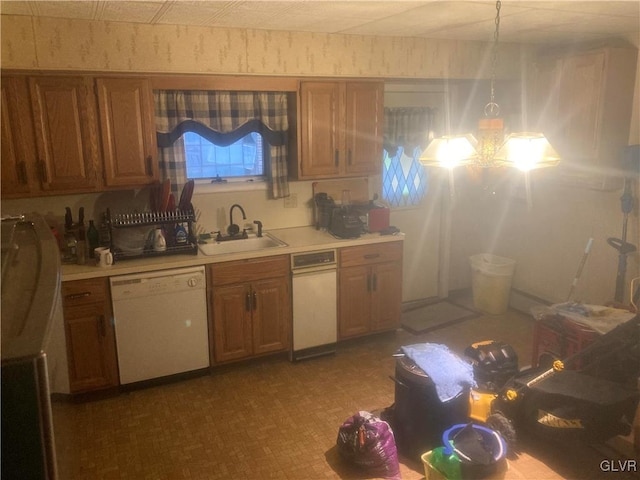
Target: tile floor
(272, 418)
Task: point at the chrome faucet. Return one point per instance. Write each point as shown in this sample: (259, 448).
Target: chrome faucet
(233, 228)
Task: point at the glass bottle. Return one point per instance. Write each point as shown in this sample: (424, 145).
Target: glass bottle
(93, 238)
(105, 234)
(81, 247)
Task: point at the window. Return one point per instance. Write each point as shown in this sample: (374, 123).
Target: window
(407, 131)
(206, 160)
(404, 179)
(218, 134)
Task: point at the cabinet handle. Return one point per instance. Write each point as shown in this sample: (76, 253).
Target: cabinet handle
(149, 165)
(76, 296)
(22, 172)
(368, 282)
(370, 256)
(44, 175)
(349, 156)
(255, 300)
(375, 282)
(247, 302)
(101, 326)
(336, 157)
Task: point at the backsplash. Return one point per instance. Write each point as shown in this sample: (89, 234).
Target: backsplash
(212, 209)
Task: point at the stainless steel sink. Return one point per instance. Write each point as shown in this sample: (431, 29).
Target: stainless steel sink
(253, 243)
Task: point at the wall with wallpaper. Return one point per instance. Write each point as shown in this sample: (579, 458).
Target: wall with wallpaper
(51, 43)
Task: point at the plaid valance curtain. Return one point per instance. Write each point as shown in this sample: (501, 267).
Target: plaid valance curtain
(223, 117)
(407, 127)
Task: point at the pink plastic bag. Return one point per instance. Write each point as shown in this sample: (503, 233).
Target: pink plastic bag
(368, 442)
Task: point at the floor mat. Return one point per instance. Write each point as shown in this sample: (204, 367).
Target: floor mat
(434, 316)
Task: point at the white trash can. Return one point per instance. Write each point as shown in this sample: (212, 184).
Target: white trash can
(491, 282)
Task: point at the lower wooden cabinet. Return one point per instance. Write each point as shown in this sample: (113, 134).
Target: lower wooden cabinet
(250, 302)
(370, 289)
(90, 336)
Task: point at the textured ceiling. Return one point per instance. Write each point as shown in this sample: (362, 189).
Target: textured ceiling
(521, 21)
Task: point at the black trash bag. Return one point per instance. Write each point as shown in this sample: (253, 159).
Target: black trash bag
(368, 443)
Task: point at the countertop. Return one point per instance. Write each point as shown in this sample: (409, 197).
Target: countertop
(298, 239)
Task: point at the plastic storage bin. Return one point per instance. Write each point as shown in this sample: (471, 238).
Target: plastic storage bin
(430, 472)
(493, 471)
(491, 282)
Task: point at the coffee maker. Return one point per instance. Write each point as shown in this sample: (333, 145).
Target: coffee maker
(345, 223)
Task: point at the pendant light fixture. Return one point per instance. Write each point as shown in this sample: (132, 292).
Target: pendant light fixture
(525, 151)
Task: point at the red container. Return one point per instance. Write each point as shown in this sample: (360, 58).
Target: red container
(378, 219)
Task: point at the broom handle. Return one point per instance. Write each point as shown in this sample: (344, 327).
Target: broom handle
(580, 267)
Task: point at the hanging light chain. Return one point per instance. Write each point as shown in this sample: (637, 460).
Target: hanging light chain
(492, 107)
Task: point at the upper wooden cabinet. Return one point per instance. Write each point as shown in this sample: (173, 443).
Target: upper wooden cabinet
(128, 131)
(64, 111)
(582, 102)
(18, 147)
(340, 129)
(363, 127)
(55, 139)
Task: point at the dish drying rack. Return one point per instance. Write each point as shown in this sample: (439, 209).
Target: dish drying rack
(169, 220)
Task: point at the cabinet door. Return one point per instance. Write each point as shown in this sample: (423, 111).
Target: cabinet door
(544, 98)
(18, 150)
(355, 285)
(580, 104)
(364, 107)
(584, 97)
(232, 309)
(321, 135)
(128, 131)
(66, 133)
(271, 315)
(386, 298)
(90, 348)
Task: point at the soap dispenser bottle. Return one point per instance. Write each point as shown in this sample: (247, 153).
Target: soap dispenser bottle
(159, 242)
(181, 235)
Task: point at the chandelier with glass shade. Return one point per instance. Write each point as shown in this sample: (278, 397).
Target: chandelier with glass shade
(525, 151)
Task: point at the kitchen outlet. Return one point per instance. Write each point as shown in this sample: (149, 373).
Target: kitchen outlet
(291, 201)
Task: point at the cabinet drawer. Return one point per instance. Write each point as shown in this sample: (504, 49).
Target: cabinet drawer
(84, 292)
(370, 254)
(249, 270)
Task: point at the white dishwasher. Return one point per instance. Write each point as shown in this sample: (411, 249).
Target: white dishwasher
(160, 323)
(315, 309)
